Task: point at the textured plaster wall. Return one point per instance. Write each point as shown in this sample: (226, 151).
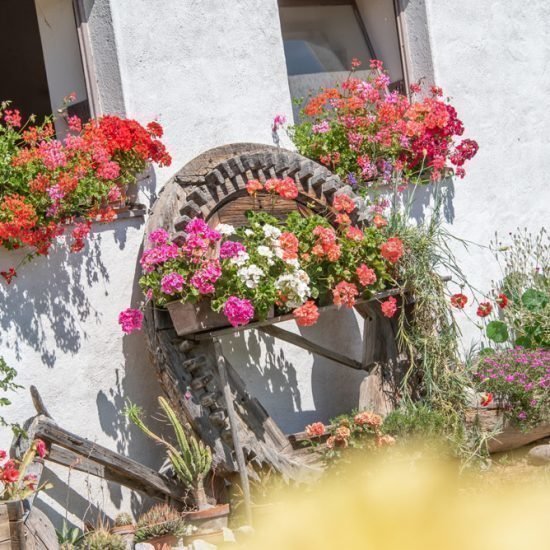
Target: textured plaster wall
(492, 58)
(212, 73)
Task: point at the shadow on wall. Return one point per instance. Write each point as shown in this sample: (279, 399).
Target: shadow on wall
(296, 387)
(47, 305)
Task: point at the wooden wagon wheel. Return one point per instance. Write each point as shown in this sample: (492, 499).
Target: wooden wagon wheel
(212, 186)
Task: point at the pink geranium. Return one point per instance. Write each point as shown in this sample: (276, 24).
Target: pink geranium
(238, 311)
(172, 283)
(130, 320)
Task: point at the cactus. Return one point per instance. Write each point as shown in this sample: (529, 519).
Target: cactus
(123, 519)
(191, 461)
(100, 539)
(159, 521)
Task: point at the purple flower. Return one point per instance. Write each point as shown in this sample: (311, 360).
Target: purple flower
(130, 320)
(522, 415)
(229, 249)
(239, 311)
(172, 283)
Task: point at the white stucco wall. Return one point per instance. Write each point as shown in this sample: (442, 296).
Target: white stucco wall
(212, 73)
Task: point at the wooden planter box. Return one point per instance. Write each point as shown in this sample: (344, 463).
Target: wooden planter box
(190, 318)
(510, 437)
(12, 533)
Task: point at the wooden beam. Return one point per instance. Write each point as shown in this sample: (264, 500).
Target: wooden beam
(233, 424)
(83, 453)
(308, 345)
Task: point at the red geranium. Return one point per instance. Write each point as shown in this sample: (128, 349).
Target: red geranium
(344, 293)
(392, 249)
(389, 307)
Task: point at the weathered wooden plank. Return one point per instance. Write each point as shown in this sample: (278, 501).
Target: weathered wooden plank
(124, 470)
(286, 317)
(40, 532)
(304, 343)
(233, 423)
(510, 436)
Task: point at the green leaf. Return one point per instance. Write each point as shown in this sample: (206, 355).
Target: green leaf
(523, 341)
(497, 331)
(534, 299)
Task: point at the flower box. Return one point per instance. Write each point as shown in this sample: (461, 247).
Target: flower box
(189, 318)
(11, 524)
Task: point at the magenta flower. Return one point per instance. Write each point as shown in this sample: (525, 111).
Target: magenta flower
(130, 320)
(239, 311)
(203, 280)
(157, 256)
(172, 283)
(159, 236)
(230, 249)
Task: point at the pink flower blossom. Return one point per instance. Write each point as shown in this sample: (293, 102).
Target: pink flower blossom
(109, 170)
(130, 320)
(157, 256)
(230, 249)
(203, 280)
(52, 154)
(159, 236)
(172, 283)
(239, 311)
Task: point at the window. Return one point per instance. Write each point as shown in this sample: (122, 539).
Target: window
(321, 37)
(41, 59)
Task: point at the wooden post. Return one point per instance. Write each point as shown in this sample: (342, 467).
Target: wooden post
(243, 473)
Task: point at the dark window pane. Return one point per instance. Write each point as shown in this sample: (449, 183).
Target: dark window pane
(22, 62)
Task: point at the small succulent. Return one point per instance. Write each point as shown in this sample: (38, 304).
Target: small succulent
(101, 539)
(159, 521)
(191, 459)
(123, 519)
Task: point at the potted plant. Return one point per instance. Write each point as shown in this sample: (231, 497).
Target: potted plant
(162, 526)
(228, 276)
(124, 527)
(101, 539)
(17, 484)
(191, 461)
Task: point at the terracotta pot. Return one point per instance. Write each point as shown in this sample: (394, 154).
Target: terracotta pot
(123, 530)
(208, 520)
(164, 543)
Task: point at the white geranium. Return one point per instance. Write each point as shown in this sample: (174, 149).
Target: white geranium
(295, 287)
(248, 232)
(271, 232)
(225, 229)
(264, 251)
(251, 275)
(240, 259)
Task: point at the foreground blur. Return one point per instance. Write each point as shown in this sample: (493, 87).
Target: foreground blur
(410, 504)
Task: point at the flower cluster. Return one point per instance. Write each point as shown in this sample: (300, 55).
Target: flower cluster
(50, 182)
(370, 136)
(520, 380)
(15, 483)
(362, 430)
(291, 265)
